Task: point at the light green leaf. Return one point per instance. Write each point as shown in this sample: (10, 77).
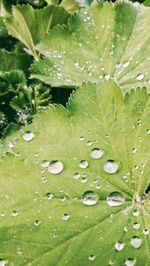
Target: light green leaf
(30, 25)
(46, 218)
(108, 41)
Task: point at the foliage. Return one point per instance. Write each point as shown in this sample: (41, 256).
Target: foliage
(75, 186)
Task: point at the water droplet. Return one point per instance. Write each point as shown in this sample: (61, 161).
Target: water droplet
(65, 217)
(119, 246)
(130, 262)
(92, 257)
(148, 131)
(111, 167)
(136, 242)
(82, 138)
(146, 231)
(28, 135)
(89, 143)
(37, 222)
(126, 64)
(63, 198)
(14, 214)
(83, 164)
(49, 196)
(136, 226)
(55, 167)
(77, 176)
(126, 229)
(117, 65)
(89, 198)
(136, 213)
(45, 163)
(139, 76)
(115, 199)
(2, 263)
(97, 153)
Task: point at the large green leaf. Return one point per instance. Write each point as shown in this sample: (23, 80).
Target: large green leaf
(64, 173)
(108, 41)
(30, 25)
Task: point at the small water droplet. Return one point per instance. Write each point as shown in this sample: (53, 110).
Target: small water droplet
(89, 198)
(126, 64)
(111, 167)
(89, 143)
(130, 262)
(83, 164)
(97, 153)
(28, 135)
(45, 164)
(92, 257)
(63, 198)
(82, 138)
(55, 167)
(146, 231)
(139, 76)
(65, 217)
(115, 199)
(126, 229)
(14, 214)
(37, 222)
(136, 226)
(148, 131)
(136, 242)
(136, 213)
(119, 246)
(49, 196)
(77, 176)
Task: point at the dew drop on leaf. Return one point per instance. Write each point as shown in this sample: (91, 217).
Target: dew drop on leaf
(77, 176)
(145, 231)
(92, 257)
(111, 167)
(55, 167)
(37, 222)
(28, 135)
(139, 76)
(49, 196)
(136, 226)
(119, 246)
(65, 217)
(115, 199)
(130, 262)
(148, 131)
(45, 164)
(126, 64)
(89, 198)
(97, 153)
(136, 242)
(2, 263)
(136, 213)
(83, 164)
(14, 214)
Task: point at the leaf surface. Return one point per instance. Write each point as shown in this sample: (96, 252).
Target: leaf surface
(62, 214)
(108, 41)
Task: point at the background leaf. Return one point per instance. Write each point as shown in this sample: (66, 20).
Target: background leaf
(110, 41)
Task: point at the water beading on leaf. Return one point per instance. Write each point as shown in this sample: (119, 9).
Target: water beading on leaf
(77, 183)
(108, 41)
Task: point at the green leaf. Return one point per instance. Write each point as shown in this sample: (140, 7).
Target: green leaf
(11, 81)
(108, 41)
(30, 100)
(15, 60)
(56, 205)
(30, 25)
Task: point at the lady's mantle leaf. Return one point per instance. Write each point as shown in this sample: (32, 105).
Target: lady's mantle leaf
(110, 41)
(75, 183)
(30, 26)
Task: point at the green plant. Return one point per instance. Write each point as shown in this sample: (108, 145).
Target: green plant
(75, 182)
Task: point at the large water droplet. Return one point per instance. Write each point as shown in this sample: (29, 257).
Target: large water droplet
(28, 135)
(130, 262)
(89, 198)
(2, 263)
(115, 199)
(119, 246)
(111, 167)
(97, 153)
(83, 164)
(136, 242)
(55, 167)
